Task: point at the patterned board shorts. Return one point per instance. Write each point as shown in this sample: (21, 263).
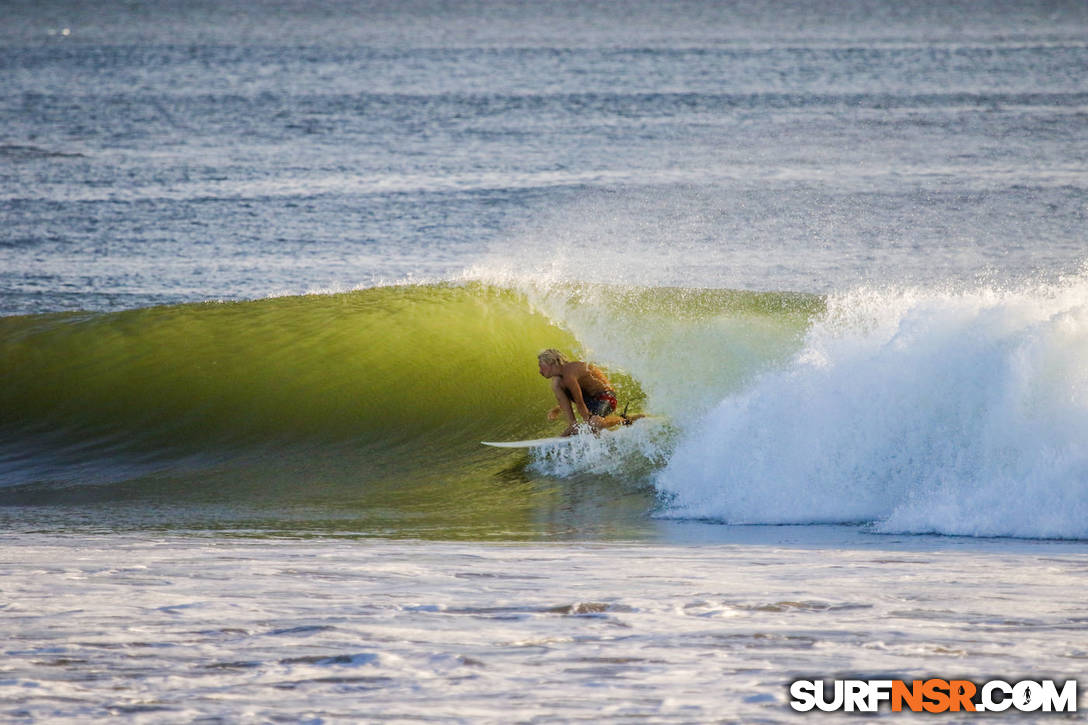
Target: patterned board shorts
(602, 404)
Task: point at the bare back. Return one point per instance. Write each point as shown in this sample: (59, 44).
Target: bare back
(590, 379)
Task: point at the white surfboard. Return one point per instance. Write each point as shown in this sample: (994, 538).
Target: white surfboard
(533, 443)
(558, 440)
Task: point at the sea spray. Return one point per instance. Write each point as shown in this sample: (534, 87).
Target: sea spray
(628, 452)
(915, 410)
(685, 347)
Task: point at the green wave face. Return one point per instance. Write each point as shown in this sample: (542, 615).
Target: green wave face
(368, 405)
(379, 363)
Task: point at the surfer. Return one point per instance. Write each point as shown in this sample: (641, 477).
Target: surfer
(577, 386)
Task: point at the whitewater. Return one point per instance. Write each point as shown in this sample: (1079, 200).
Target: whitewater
(270, 272)
(916, 411)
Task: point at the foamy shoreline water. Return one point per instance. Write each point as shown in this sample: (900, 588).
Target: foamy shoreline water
(174, 628)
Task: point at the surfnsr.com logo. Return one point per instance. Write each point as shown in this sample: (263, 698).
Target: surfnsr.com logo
(933, 695)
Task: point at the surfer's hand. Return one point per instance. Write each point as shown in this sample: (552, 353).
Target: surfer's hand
(572, 430)
(596, 422)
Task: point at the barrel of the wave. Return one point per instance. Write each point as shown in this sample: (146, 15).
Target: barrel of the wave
(404, 380)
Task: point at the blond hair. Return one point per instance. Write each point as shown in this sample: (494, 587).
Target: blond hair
(551, 356)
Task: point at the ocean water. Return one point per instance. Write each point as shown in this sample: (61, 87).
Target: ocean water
(270, 271)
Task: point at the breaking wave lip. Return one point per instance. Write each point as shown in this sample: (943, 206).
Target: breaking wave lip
(911, 410)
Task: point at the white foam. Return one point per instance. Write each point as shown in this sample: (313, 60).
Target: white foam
(158, 627)
(918, 410)
(612, 452)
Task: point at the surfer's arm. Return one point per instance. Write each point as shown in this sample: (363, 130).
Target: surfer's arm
(576, 398)
(579, 402)
(563, 399)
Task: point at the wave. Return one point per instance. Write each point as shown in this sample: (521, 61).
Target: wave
(907, 410)
(916, 411)
(195, 385)
(395, 384)
(15, 152)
